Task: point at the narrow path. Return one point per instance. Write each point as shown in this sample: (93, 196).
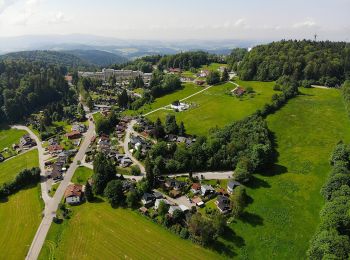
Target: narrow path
(52, 205)
(164, 107)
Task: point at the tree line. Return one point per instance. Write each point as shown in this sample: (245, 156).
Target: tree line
(24, 179)
(325, 63)
(332, 238)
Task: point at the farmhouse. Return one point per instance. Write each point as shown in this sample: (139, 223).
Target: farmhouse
(73, 194)
(231, 185)
(238, 91)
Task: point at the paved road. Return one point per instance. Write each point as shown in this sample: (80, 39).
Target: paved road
(52, 205)
(44, 189)
(128, 132)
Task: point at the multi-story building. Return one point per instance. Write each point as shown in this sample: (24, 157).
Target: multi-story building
(120, 75)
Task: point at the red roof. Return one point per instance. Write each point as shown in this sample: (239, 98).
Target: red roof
(55, 147)
(73, 134)
(196, 186)
(73, 190)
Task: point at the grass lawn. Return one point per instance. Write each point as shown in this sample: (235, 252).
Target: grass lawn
(286, 200)
(54, 188)
(9, 169)
(216, 108)
(81, 175)
(20, 217)
(9, 136)
(213, 66)
(97, 231)
(188, 89)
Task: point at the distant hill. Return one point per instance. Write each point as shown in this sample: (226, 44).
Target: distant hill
(98, 57)
(50, 57)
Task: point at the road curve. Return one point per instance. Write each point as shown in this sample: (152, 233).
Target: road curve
(44, 190)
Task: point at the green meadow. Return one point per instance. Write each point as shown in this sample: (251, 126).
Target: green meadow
(216, 107)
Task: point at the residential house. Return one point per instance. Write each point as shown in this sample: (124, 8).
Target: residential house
(55, 149)
(231, 185)
(56, 173)
(198, 201)
(125, 162)
(174, 70)
(207, 190)
(148, 200)
(179, 185)
(73, 194)
(170, 183)
(79, 128)
(196, 188)
(73, 135)
(158, 195)
(26, 141)
(223, 204)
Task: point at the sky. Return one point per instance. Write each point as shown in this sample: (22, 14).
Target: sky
(179, 19)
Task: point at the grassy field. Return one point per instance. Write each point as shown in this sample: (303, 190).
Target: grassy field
(213, 66)
(286, 200)
(81, 175)
(97, 231)
(20, 217)
(189, 88)
(215, 107)
(9, 169)
(9, 136)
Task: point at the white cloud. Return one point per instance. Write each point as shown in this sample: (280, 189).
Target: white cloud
(240, 23)
(4, 4)
(308, 23)
(59, 17)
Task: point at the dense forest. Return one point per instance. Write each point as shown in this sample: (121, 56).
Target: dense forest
(325, 63)
(188, 60)
(97, 57)
(28, 86)
(70, 61)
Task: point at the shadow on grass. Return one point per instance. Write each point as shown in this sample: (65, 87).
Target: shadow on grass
(252, 219)
(256, 183)
(97, 200)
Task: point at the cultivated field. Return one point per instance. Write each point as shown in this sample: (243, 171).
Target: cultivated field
(20, 217)
(217, 108)
(97, 231)
(9, 169)
(9, 136)
(286, 199)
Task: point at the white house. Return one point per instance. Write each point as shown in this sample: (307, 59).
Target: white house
(172, 209)
(73, 194)
(156, 204)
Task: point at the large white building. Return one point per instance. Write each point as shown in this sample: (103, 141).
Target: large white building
(120, 75)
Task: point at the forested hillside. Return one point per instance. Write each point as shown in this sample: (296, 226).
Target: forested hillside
(97, 57)
(27, 86)
(325, 63)
(187, 60)
(67, 60)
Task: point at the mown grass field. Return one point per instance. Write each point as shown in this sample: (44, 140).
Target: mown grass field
(188, 89)
(20, 217)
(81, 175)
(286, 199)
(97, 231)
(217, 108)
(9, 169)
(9, 136)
